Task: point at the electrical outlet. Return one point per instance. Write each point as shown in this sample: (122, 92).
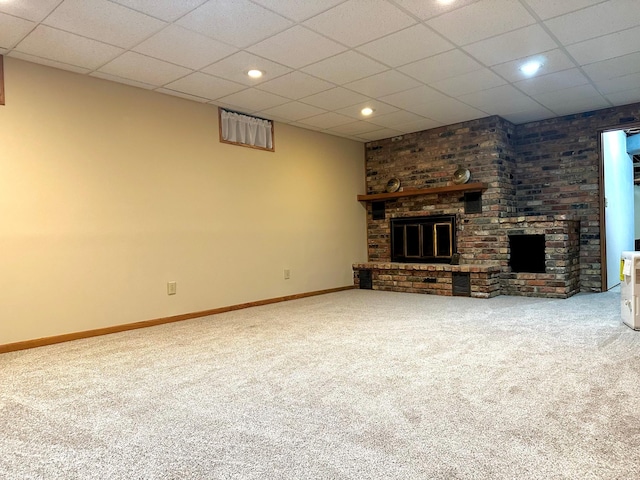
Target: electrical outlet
(171, 288)
(287, 274)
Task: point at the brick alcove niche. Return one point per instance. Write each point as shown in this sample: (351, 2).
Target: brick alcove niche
(559, 272)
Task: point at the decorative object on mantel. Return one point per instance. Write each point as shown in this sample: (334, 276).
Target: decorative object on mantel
(460, 176)
(393, 185)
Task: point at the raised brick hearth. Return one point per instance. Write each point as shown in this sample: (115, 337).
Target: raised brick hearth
(541, 178)
(484, 280)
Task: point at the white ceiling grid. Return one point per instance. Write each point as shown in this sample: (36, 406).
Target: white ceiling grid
(418, 63)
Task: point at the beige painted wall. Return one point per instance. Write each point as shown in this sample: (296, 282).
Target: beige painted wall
(109, 191)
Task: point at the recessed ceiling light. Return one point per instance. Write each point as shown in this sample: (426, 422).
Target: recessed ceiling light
(446, 2)
(366, 111)
(531, 67)
(255, 73)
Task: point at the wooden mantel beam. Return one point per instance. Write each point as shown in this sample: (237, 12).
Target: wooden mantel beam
(466, 187)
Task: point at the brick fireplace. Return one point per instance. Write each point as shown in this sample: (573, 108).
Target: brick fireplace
(536, 183)
(542, 252)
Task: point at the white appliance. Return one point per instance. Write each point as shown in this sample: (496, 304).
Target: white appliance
(630, 288)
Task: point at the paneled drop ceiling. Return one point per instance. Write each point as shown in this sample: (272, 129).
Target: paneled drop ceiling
(417, 63)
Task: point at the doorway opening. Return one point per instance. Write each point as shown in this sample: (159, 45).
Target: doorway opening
(620, 199)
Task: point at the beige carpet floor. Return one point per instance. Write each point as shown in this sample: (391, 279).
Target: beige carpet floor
(352, 385)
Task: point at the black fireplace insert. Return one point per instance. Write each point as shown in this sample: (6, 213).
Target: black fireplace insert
(427, 239)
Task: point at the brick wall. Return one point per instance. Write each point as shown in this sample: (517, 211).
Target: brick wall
(558, 172)
(428, 159)
(550, 167)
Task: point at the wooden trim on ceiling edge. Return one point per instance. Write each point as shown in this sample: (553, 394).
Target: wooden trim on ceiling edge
(1, 80)
(41, 342)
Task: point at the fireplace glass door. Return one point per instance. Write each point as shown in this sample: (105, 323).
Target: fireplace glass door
(423, 239)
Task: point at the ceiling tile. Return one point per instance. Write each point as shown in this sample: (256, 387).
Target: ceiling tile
(47, 62)
(415, 96)
(205, 86)
(359, 21)
(513, 45)
(47, 42)
(553, 61)
(13, 30)
(297, 47)
(183, 47)
(295, 85)
(237, 22)
(126, 81)
(252, 100)
(350, 137)
(384, 83)
(405, 46)
(567, 96)
(515, 108)
(546, 9)
(426, 10)
(167, 10)
(355, 128)
(499, 100)
(530, 115)
(104, 21)
(579, 106)
(334, 99)
(380, 134)
(144, 69)
(173, 93)
(616, 67)
(345, 67)
(379, 109)
(399, 117)
(469, 82)
(606, 47)
(306, 127)
(467, 49)
(229, 106)
(624, 97)
(439, 67)
(292, 111)
(481, 20)
(417, 126)
(618, 84)
(594, 21)
(554, 81)
(34, 11)
(326, 120)
(236, 66)
(447, 111)
(298, 10)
